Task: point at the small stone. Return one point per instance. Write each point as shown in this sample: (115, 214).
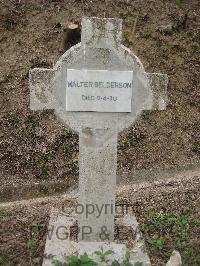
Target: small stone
(175, 259)
(37, 260)
(166, 29)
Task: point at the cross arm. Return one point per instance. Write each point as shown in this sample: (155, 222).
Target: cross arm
(41, 83)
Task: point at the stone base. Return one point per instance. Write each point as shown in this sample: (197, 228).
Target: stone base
(61, 241)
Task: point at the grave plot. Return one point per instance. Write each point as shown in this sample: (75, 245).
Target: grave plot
(98, 88)
(33, 145)
(158, 207)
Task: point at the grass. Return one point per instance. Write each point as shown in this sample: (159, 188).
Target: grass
(8, 21)
(196, 148)
(32, 121)
(4, 212)
(9, 263)
(37, 227)
(86, 260)
(32, 242)
(3, 260)
(77, 261)
(167, 232)
(132, 139)
(69, 151)
(103, 256)
(42, 159)
(179, 3)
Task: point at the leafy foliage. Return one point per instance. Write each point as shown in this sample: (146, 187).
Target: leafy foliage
(82, 260)
(85, 260)
(103, 255)
(168, 230)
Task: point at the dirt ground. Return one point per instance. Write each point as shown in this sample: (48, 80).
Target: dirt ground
(169, 221)
(35, 146)
(164, 34)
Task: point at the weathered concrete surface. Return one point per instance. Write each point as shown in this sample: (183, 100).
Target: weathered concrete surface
(100, 49)
(60, 247)
(174, 189)
(97, 182)
(175, 259)
(103, 52)
(138, 251)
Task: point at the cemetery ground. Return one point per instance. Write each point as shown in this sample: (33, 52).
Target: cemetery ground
(169, 221)
(39, 157)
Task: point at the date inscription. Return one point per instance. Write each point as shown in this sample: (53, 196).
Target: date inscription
(98, 98)
(98, 90)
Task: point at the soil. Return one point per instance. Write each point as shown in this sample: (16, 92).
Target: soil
(163, 34)
(35, 146)
(23, 224)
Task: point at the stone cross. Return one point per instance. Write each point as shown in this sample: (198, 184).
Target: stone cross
(97, 88)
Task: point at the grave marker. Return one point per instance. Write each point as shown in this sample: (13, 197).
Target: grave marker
(97, 88)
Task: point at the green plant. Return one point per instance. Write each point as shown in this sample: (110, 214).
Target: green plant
(195, 48)
(133, 138)
(138, 263)
(127, 258)
(23, 134)
(45, 171)
(37, 227)
(2, 262)
(196, 148)
(167, 232)
(127, 38)
(4, 212)
(81, 261)
(103, 255)
(58, 263)
(31, 243)
(67, 133)
(191, 254)
(10, 263)
(69, 152)
(31, 121)
(44, 157)
(136, 137)
(126, 261)
(84, 260)
(115, 263)
(9, 19)
(61, 20)
(179, 3)
(173, 223)
(157, 244)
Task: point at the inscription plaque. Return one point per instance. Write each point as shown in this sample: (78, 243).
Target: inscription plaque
(99, 90)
